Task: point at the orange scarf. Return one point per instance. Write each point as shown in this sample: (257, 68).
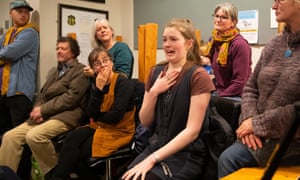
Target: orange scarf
(9, 38)
(225, 38)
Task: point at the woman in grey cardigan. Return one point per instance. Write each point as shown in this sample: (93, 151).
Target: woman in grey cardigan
(268, 98)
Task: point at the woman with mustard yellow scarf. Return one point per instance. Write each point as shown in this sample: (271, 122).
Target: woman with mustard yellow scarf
(228, 53)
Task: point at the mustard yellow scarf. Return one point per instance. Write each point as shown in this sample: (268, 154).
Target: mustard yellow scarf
(225, 38)
(109, 98)
(9, 38)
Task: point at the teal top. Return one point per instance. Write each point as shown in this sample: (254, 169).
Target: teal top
(123, 58)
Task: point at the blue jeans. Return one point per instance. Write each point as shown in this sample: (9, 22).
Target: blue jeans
(233, 158)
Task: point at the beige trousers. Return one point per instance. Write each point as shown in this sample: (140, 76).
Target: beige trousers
(38, 137)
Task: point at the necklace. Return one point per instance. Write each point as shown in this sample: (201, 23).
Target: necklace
(288, 52)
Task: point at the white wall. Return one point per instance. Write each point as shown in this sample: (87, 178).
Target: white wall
(256, 50)
(120, 16)
(118, 10)
(4, 10)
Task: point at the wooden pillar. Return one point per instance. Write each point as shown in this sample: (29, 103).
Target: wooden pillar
(198, 36)
(147, 48)
(119, 38)
(141, 52)
(72, 35)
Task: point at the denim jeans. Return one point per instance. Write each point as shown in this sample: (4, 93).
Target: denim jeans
(233, 158)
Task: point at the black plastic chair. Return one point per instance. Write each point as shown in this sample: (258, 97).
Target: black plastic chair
(125, 152)
(229, 109)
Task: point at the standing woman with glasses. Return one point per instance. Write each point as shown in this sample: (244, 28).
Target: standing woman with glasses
(111, 110)
(228, 53)
(267, 106)
(102, 35)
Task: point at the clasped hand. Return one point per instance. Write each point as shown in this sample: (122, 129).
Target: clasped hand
(247, 136)
(36, 115)
(164, 82)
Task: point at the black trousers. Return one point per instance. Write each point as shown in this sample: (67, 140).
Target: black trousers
(7, 174)
(74, 153)
(14, 110)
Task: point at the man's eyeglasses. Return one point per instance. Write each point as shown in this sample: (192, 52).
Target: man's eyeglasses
(220, 17)
(101, 63)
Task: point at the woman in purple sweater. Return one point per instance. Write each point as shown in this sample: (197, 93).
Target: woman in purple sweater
(228, 53)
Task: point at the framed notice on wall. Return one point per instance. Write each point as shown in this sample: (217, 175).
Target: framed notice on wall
(98, 1)
(77, 22)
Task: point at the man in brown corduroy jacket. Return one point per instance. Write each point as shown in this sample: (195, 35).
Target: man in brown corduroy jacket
(59, 108)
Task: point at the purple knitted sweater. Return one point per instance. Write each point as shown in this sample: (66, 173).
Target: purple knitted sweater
(232, 77)
(273, 88)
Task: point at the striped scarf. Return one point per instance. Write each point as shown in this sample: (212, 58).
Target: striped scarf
(225, 38)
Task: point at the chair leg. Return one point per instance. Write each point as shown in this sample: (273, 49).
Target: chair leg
(108, 170)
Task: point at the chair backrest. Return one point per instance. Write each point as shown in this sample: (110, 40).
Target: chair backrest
(223, 115)
(219, 136)
(229, 109)
(139, 89)
(142, 134)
